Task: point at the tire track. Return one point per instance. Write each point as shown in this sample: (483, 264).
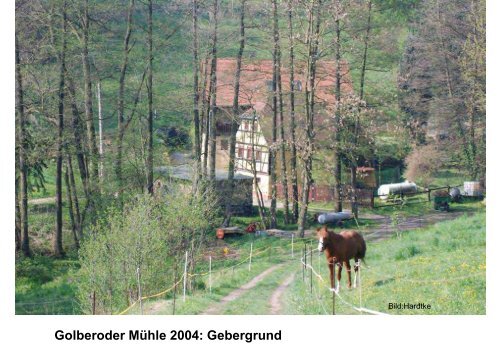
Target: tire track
(275, 301)
(214, 310)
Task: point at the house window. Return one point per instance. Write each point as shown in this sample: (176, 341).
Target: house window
(240, 152)
(258, 155)
(297, 85)
(270, 86)
(249, 153)
(223, 145)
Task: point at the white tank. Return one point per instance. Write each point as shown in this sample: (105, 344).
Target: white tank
(333, 217)
(473, 188)
(395, 189)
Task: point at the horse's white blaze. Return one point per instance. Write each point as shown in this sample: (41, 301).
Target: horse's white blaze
(320, 244)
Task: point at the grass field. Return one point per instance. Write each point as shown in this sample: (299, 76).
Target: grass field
(443, 265)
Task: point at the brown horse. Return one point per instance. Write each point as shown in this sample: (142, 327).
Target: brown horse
(339, 249)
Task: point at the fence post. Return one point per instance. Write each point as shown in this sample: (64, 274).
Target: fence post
(429, 195)
(305, 258)
(139, 285)
(292, 245)
(185, 277)
(175, 288)
(210, 273)
(359, 284)
(93, 303)
(311, 272)
(333, 293)
(319, 262)
(250, 259)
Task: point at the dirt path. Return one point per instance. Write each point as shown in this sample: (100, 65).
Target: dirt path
(214, 310)
(386, 229)
(275, 301)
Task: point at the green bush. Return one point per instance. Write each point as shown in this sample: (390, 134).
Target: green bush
(149, 235)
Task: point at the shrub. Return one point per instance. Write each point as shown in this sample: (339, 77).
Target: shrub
(423, 163)
(149, 234)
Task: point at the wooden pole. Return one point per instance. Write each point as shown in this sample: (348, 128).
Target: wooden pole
(175, 289)
(305, 257)
(210, 273)
(333, 293)
(140, 291)
(311, 272)
(292, 245)
(101, 150)
(185, 277)
(359, 284)
(319, 262)
(304, 264)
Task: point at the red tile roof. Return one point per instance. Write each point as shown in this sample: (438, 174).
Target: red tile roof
(257, 74)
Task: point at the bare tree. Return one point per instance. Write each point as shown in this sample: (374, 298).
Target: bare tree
(57, 242)
(312, 40)
(23, 170)
(89, 111)
(279, 93)
(121, 103)
(213, 97)
(150, 99)
(293, 147)
(337, 162)
(235, 118)
(354, 165)
(196, 91)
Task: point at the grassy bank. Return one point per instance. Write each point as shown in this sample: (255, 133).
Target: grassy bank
(443, 265)
(46, 286)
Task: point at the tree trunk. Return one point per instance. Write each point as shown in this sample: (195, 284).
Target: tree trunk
(72, 215)
(354, 164)
(18, 213)
(101, 146)
(313, 43)
(77, 134)
(279, 92)
(57, 241)
(272, 149)
(258, 192)
(150, 99)
(213, 99)
(196, 92)
(337, 162)
(293, 147)
(235, 118)
(23, 170)
(74, 197)
(121, 105)
(204, 117)
(89, 112)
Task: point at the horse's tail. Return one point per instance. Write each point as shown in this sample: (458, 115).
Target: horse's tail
(362, 252)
